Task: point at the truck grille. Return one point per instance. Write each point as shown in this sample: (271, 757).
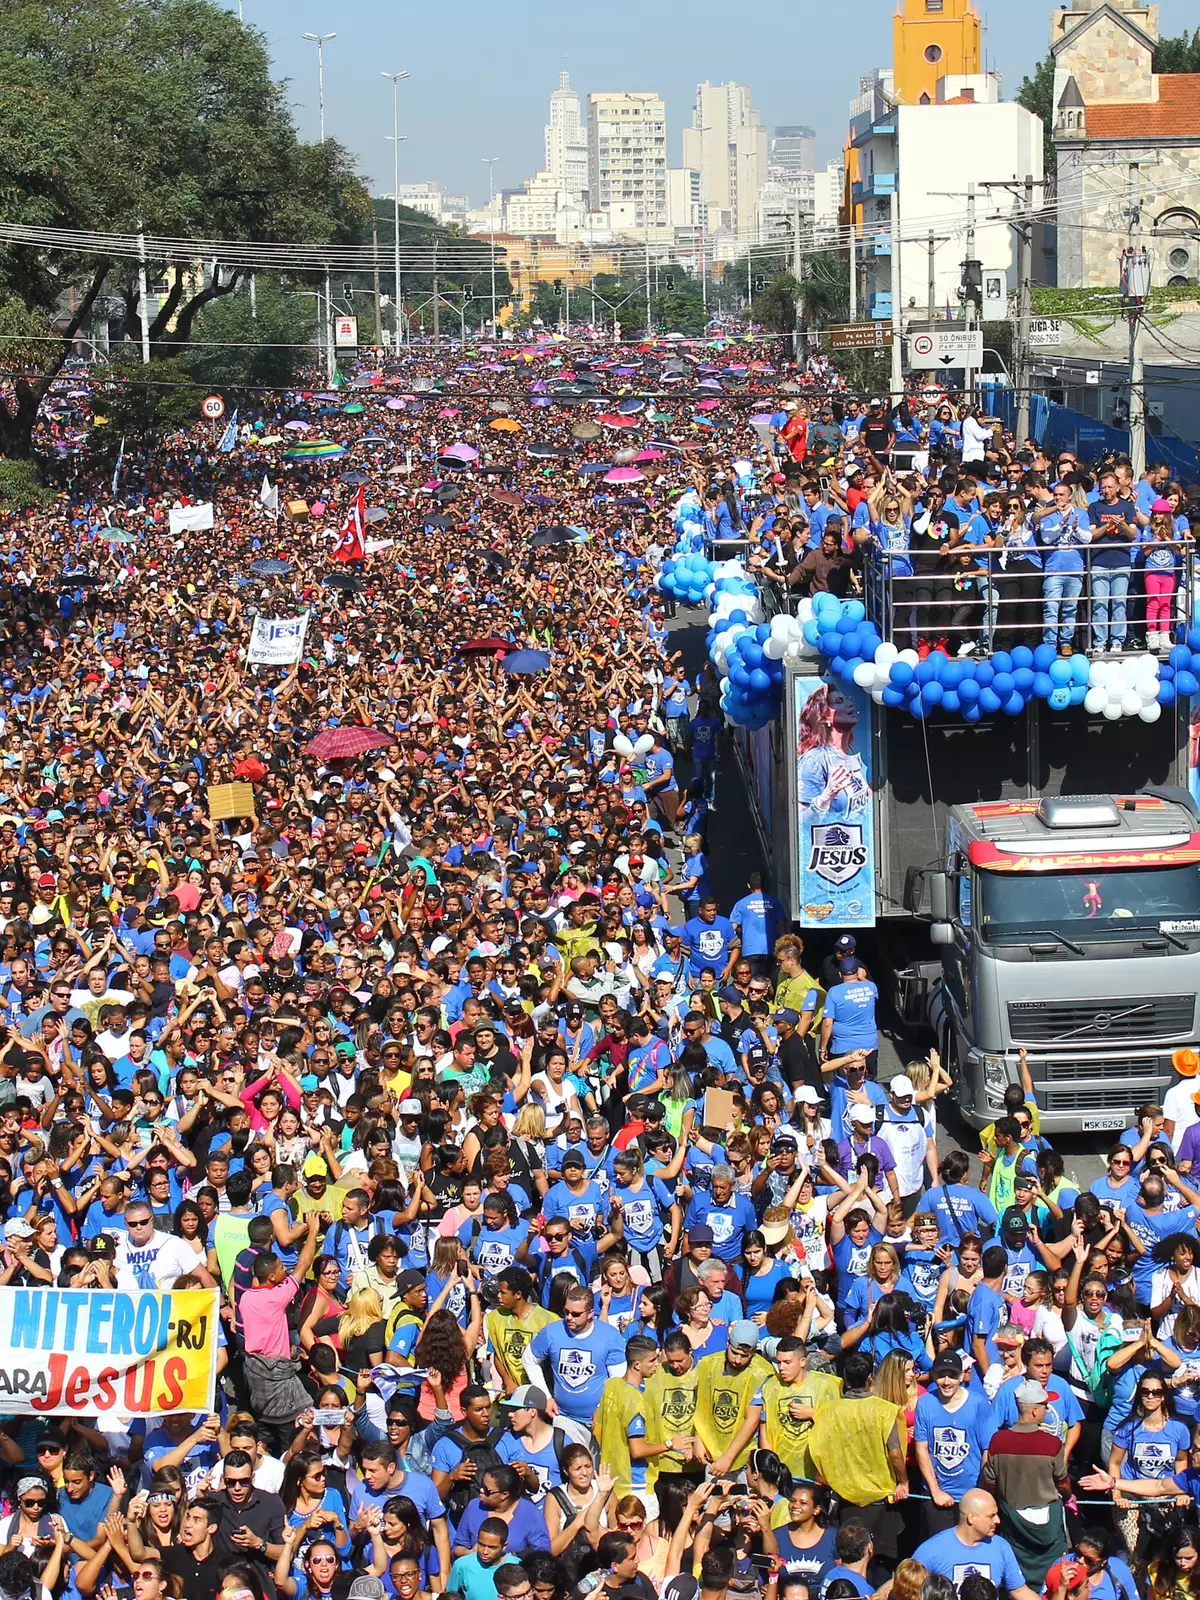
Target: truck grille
(1151, 1067)
(1092, 1100)
(1076, 1022)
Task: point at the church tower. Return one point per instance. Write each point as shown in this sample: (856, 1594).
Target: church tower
(930, 39)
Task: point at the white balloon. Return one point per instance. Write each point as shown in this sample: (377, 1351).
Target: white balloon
(1131, 703)
(1095, 700)
(645, 743)
(781, 624)
(804, 611)
(886, 655)
(864, 674)
(775, 648)
(877, 695)
(795, 650)
(622, 745)
(1099, 673)
(1112, 709)
(1151, 711)
(909, 656)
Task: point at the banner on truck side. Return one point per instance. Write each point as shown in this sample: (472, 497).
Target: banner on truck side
(277, 641)
(100, 1352)
(835, 806)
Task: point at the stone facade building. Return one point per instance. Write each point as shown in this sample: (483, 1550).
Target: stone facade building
(1127, 141)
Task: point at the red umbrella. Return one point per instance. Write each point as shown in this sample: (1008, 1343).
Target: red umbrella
(485, 647)
(339, 744)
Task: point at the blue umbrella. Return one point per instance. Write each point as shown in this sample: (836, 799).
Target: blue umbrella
(526, 662)
(594, 466)
(271, 567)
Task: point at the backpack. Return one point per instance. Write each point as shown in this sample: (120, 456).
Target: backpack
(483, 1455)
(578, 1558)
(1097, 1379)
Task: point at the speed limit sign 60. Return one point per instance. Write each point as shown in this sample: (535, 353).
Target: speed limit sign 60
(212, 407)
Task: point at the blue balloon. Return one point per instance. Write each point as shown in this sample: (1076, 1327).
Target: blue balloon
(989, 701)
(1060, 698)
(1077, 694)
(1166, 672)
(812, 632)
(760, 681)
(846, 624)
(829, 644)
(919, 709)
(969, 692)
(1023, 679)
(926, 671)
(1014, 705)
(1002, 661)
(855, 610)
(892, 697)
(1060, 671)
(950, 700)
(985, 672)
(1180, 656)
(1193, 638)
(953, 673)
(739, 675)
(667, 582)
(1194, 666)
(752, 652)
(1166, 694)
(1002, 684)
(901, 674)
(762, 632)
(1043, 685)
(1022, 656)
(933, 693)
(1186, 684)
(971, 714)
(1080, 666)
(1043, 656)
(738, 616)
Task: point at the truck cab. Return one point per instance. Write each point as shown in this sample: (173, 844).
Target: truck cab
(1070, 926)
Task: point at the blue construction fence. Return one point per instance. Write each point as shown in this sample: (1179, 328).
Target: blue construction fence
(1061, 428)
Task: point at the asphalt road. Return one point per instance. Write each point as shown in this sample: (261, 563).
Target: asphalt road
(734, 852)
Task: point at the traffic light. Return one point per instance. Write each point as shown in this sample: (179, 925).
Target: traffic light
(348, 291)
(467, 294)
(558, 288)
(668, 282)
(972, 283)
(759, 285)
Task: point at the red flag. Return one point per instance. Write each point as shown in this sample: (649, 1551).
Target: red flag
(352, 546)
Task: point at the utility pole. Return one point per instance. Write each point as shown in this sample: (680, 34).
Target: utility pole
(437, 321)
(1135, 284)
(320, 40)
(375, 281)
(970, 308)
(798, 274)
(567, 288)
(395, 81)
(897, 374)
(853, 270)
(1024, 370)
(330, 349)
(253, 296)
(490, 163)
(143, 297)
(646, 242)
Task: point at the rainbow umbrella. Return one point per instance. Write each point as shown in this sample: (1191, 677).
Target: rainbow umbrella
(314, 450)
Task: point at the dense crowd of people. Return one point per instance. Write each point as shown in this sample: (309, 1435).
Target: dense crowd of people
(565, 1236)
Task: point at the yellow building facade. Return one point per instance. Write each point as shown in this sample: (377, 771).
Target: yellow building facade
(930, 40)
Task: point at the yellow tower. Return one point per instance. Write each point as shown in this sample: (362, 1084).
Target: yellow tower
(931, 38)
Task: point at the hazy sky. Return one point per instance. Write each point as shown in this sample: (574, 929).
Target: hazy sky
(481, 74)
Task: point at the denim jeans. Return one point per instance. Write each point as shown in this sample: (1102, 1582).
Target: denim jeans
(1060, 592)
(1110, 585)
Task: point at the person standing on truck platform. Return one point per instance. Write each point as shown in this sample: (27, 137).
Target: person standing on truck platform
(849, 1020)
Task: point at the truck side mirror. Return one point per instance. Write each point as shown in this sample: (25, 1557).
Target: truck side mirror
(939, 896)
(941, 933)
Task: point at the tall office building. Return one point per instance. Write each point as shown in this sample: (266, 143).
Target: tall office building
(627, 159)
(794, 149)
(566, 140)
(729, 147)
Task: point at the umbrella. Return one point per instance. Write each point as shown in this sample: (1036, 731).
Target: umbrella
(524, 662)
(324, 395)
(314, 450)
(541, 400)
(622, 458)
(594, 466)
(624, 475)
(501, 406)
(505, 497)
(435, 519)
(585, 432)
(272, 567)
(376, 514)
(461, 452)
(272, 438)
(484, 647)
(353, 479)
(354, 409)
(345, 581)
(118, 536)
(543, 450)
(80, 580)
(445, 492)
(505, 425)
(298, 427)
(649, 455)
(610, 419)
(627, 408)
(394, 405)
(555, 535)
(339, 744)
(449, 411)
(250, 767)
(372, 438)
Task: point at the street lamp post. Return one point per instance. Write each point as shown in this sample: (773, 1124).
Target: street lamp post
(490, 163)
(395, 79)
(320, 40)
(703, 220)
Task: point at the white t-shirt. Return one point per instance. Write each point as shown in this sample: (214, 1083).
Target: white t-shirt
(268, 1475)
(157, 1263)
(1179, 1108)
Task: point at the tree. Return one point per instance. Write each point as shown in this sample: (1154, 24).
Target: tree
(1036, 94)
(1178, 54)
(775, 307)
(679, 310)
(825, 288)
(145, 115)
(140, 402)
(235, 352)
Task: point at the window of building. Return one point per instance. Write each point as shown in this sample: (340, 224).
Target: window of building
(933, 5)
(933, 52)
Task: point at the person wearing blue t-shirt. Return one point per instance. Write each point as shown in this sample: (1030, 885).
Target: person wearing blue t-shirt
(848, 1021)
(986, 1309)
(973, 1546)
(643, 1204)
(952, 1430)
(711, 940)
(959, 1208)
(852, 1235)
(1065, 529)
(1149, 1220)
(728, 1214)
(759, 919)
(580, 1353)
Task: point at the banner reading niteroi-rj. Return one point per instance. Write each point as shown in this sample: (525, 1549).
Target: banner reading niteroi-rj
(100, 1351)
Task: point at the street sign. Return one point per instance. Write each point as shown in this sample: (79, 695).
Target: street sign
(860, 335)
(1045, 333)
(212, 407)
(345, 333)
(946, 347)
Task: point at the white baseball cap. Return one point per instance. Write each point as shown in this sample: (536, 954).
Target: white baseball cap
(861, 1113)
(901, 1085)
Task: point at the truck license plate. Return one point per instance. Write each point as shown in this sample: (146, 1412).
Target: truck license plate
(1103, 1124)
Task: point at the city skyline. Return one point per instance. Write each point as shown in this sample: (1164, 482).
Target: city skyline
(477, 94)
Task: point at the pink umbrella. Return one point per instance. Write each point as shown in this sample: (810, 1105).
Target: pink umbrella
(760, 419)
(449, 411)
(649, 455)
(462, 452)
(317, 508)
(340, 744)
(394, 405)
(624, 475)
(708, 405)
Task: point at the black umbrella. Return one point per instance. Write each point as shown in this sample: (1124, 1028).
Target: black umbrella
(353, 480)
(435, 520)
(80, 580)
(345, 581)
(543, 450)
(376, 514)
(445, 492)
(548, 536)
(495, 559)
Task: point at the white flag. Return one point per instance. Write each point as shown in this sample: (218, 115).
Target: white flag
(268, 496)
(192, 519)
(277, 641)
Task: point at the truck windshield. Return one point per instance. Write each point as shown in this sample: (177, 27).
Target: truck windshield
(1088, 902)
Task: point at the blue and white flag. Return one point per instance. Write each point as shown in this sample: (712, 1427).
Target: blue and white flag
(117, 468)
(229, 437)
